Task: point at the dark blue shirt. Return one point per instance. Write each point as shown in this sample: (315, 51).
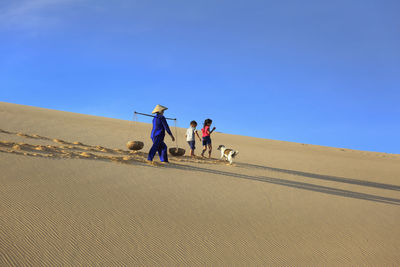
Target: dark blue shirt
(160, 125)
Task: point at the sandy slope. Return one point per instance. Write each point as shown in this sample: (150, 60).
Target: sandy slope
(71, 194)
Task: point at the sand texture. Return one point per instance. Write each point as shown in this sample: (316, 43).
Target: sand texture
(72, 194)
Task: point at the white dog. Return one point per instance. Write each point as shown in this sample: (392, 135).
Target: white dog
(228, 153)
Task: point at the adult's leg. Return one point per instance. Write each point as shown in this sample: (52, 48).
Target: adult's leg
(163, 152)
(154, 148)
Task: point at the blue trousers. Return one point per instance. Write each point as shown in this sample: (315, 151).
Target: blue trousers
(160, 147)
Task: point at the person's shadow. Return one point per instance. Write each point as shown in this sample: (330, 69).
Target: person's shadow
(324, 177)
(302, 185)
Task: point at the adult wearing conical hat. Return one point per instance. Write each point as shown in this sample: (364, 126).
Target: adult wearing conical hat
(160, 125)
(159, 108)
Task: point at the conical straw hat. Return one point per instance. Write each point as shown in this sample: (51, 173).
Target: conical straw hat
(159, 108)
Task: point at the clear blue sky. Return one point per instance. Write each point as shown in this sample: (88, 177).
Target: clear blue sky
(317, 72)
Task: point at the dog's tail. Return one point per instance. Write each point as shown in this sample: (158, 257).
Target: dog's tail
(235, 153)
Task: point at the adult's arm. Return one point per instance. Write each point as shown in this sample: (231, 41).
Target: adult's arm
(165, 124)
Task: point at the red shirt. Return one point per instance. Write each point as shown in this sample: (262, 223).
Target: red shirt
(206, 131)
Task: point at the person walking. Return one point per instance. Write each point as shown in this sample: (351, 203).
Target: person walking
(190, 137)
(207, 137)
(160, 125)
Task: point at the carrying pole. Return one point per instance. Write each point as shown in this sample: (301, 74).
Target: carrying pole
(148, 115)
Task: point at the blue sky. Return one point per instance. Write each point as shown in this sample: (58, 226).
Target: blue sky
(317, 72)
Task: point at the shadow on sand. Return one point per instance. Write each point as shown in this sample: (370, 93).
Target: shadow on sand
(125, 157)
(293, 184)
(323, 177)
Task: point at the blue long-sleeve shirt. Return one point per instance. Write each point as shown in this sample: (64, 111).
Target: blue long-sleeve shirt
(160, 125)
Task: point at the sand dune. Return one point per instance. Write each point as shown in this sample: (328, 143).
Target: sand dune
(72, 194)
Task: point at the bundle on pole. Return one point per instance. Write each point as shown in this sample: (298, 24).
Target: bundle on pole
(135, 145)
(177, 151)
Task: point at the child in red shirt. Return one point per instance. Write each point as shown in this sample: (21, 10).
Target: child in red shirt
(206, 137)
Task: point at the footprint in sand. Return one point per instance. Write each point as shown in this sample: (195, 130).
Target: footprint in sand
(16, 147)
(59, 141)
(22, 134)
(41, 148)
(86, 155)
(77, 143)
